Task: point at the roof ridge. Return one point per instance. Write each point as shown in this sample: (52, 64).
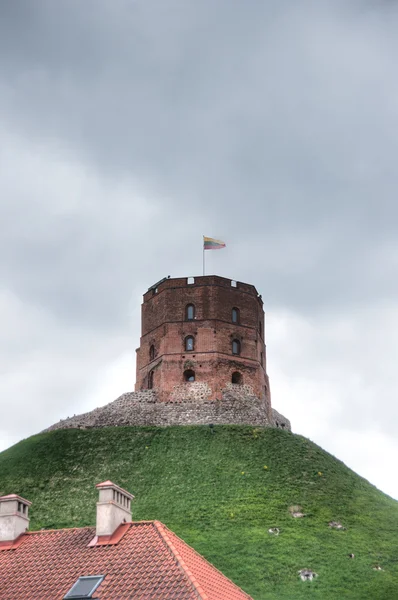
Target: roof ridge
(44, 530)
(160, 527)
(209, 563)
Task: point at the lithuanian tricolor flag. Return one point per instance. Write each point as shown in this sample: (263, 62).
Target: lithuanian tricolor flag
(212, 244)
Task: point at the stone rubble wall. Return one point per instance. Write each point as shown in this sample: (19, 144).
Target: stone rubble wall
(240, 391)
(280, 420)
(143, 408)
(196, 391)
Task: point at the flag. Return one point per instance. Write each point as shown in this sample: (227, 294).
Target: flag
(212, 244)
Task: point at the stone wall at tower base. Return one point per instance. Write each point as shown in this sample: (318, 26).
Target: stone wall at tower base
(280, 421)
(143, 408)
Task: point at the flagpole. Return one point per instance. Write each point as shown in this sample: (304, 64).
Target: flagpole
(203, 255)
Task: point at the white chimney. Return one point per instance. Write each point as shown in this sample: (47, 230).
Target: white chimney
(113, 508)
(13, 517)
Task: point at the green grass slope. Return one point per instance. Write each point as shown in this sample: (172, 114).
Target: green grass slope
(221, 492)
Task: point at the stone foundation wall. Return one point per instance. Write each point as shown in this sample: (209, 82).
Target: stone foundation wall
(280, 421)
(196, 391)
(142, 408)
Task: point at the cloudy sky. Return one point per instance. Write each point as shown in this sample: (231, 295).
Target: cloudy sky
(129, 128)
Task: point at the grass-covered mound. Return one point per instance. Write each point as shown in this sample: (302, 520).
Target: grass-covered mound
(221, 491)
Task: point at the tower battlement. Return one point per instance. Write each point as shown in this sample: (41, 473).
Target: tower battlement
(202, 280)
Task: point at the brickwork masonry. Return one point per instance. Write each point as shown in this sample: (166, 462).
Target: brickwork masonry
(238, 406)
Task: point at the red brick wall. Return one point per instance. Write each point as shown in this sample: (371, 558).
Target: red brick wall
(164, 326)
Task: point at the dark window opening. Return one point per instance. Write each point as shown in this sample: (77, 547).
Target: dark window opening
(189, 343)
(84, 587)
(190, 312)
(237, 378)
(189, 375)
(22, 508)
(260, 327)
(235, 347)
(152, 352)
(150, 380)
(235, 315)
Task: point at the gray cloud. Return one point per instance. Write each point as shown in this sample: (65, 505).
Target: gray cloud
(128, 129)
(288, 112)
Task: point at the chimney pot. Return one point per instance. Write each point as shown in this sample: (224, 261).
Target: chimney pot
(113, 508)
(14, 518)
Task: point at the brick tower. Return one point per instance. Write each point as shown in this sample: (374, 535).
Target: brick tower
(200, 338)
(201, 360)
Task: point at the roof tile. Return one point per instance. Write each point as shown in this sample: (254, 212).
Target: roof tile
(148, 562)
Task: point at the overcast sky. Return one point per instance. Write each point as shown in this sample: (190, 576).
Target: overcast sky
(130, 128)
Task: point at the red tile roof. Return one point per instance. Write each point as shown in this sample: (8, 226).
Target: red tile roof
(147, 562)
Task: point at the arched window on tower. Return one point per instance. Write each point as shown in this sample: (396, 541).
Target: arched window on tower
(151, 352)
(189, 375)
(189, 343)
(260, 328)
(237, 378)
(235, 315)
(235, 347)
(189, 312)
(150, 380)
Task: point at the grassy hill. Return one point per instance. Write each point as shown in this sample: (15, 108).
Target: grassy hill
(221, 492)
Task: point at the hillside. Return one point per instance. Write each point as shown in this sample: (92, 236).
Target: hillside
(221, 491)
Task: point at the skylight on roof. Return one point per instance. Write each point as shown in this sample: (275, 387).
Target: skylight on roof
(84, 587)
